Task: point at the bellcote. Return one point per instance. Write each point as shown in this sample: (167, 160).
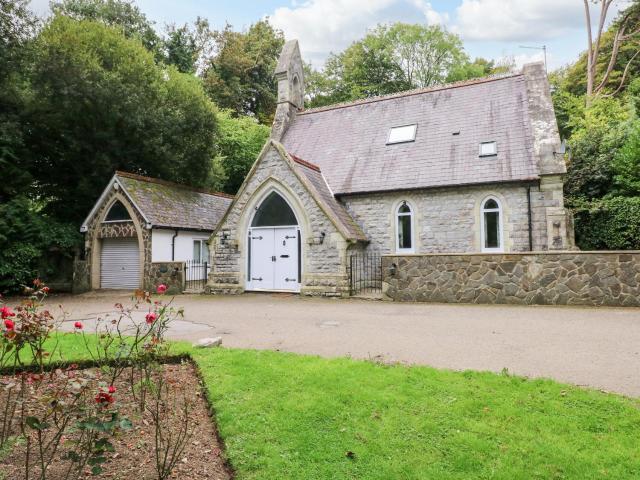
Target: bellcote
(290, 75)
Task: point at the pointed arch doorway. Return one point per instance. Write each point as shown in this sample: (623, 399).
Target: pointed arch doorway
(274, 247)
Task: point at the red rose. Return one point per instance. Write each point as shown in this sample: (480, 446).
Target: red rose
(151, 317)
(78, 325)
(9, 324)
(103, 398)
(161, 289)
(45, 289)
(6, 312)
(112, 389)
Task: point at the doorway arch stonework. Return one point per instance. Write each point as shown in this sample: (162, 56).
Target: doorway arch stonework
(323, 247)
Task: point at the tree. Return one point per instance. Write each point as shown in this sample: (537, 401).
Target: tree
(187, 47)
(240, 76)
(390, 59)
(17, 28)
(101, 103)
(240, 141)
(121, 14)
(599, 130)
(623, 30)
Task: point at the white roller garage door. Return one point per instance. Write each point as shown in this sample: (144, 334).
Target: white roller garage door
(120, 263)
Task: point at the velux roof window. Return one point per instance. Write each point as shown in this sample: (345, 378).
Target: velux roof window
(487, 149)
(405, 133)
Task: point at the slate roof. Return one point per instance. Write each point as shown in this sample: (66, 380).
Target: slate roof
(323, 194)
(167, 204)
(348, 141)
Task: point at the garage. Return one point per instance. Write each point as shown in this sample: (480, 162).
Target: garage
(120, 263)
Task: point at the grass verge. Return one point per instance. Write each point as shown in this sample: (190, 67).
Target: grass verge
(286, 416)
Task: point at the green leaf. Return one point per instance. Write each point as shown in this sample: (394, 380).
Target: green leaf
(96, 470)
(36, 424)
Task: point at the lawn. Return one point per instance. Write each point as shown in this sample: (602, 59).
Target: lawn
(302, 417)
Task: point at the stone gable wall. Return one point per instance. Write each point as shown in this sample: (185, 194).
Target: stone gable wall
(323, 258)
(448, 220)
(545, 278)
(96, 231)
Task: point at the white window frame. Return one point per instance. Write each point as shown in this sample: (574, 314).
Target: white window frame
(483, 210)
(406, 140)
(495, 149)
(202, 242)
(397, 216)
(130, 219)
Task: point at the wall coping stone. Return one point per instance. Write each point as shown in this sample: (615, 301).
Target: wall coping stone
(521, 254)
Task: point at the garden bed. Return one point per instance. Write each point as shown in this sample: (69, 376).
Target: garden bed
(132, 457)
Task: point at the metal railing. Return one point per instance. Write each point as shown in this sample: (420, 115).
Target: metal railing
(195, 274)
(365, 273)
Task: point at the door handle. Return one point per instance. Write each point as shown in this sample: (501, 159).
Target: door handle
(256, 279)
(290, 279)
(273, 258)
(256, 238)
(284, 256)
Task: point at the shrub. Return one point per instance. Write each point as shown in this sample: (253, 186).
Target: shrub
(608, 224)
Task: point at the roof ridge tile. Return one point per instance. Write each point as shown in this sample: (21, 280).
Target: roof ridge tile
(408, 93)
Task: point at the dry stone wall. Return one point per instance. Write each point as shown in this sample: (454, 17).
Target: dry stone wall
(558, 278)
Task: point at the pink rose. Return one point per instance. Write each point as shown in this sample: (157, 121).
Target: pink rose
(161, 289)
(151, 317)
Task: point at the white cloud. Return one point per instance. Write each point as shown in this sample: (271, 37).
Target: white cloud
(324, 26)
(522, 20)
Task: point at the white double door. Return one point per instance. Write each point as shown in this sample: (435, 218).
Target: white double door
(273, 259)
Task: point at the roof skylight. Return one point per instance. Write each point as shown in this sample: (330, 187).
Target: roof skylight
(488, 149)
(405, 133)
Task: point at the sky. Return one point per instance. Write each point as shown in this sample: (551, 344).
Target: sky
(492, 29)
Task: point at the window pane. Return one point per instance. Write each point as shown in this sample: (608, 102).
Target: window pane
(404, 209)
(274, 212)
(402, 134)
(404, 231)
(488, 148)
(205, 252)
(492, 230)
(196, 250)
(490, 204)
(117, 212)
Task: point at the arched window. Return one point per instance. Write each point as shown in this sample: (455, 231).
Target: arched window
(274, 211)
(117, 213)
(404, 225)
(491, 219)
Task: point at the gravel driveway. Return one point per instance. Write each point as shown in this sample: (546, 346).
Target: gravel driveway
(596, 347)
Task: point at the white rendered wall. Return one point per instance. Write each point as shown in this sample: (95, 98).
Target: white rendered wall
(161, 244)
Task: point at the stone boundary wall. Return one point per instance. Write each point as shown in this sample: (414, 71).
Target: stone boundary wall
(534, 278)
(81, 276)
(169, 273)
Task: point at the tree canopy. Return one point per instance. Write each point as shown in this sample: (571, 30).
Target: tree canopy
(101, 103)
(392, 58)
(240, 76)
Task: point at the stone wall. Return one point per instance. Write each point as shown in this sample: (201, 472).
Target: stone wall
(447, 220)
(170, 274)
(81, 276)
(323, 257)
(544, 278)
